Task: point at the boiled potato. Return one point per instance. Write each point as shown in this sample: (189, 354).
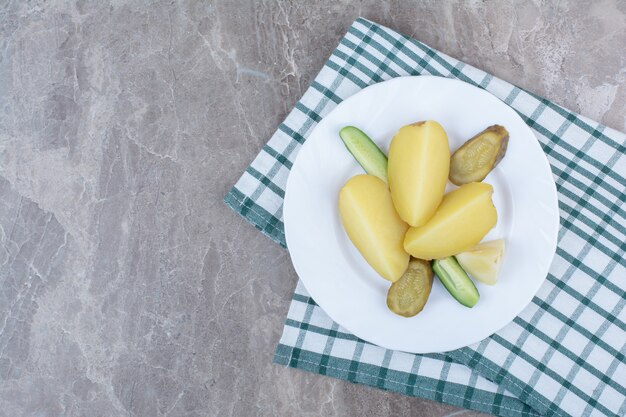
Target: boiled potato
(483, 261)
(461, 221)
(419, 163)
(373, 226)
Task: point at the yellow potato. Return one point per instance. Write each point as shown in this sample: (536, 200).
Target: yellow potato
(419, 163)
(372, 224)
(461, 221)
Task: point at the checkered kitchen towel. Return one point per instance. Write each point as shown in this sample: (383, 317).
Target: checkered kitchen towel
(564, 354)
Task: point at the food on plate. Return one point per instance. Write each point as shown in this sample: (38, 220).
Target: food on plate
(483, 261)
(408, 295)
(373, 226)
(399, 219)
(456, 281)
(365, 151)
(461, 221)
(419, 160)
(479, 155)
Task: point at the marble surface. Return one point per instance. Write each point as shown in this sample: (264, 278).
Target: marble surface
(126, 286)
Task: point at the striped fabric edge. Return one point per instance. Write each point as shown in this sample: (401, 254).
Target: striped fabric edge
(405, 383)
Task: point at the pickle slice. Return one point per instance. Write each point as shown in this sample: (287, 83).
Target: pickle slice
(479, 155)
(456, 281)
(365, 151)
(408, 295)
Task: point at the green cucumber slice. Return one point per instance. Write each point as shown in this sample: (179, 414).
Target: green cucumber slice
(365, 151)
(456, 281)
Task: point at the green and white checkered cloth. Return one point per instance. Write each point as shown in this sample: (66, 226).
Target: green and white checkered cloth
(564, 354)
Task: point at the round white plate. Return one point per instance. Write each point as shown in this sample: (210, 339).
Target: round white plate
(347, 288)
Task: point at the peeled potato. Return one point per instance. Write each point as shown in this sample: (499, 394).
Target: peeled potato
(373, 226)
(461, 221)
(483, 261)
(419, 163)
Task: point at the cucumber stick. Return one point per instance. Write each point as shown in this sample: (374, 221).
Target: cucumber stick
(456, 281)
(365, 151)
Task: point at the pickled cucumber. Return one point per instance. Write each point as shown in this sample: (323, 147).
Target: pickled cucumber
(456, 281)
(408, 295)
(479, 155)
(365, 151)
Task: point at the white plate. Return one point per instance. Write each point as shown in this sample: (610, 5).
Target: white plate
(347, 288)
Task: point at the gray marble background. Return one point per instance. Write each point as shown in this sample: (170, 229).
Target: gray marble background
(126, 286)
